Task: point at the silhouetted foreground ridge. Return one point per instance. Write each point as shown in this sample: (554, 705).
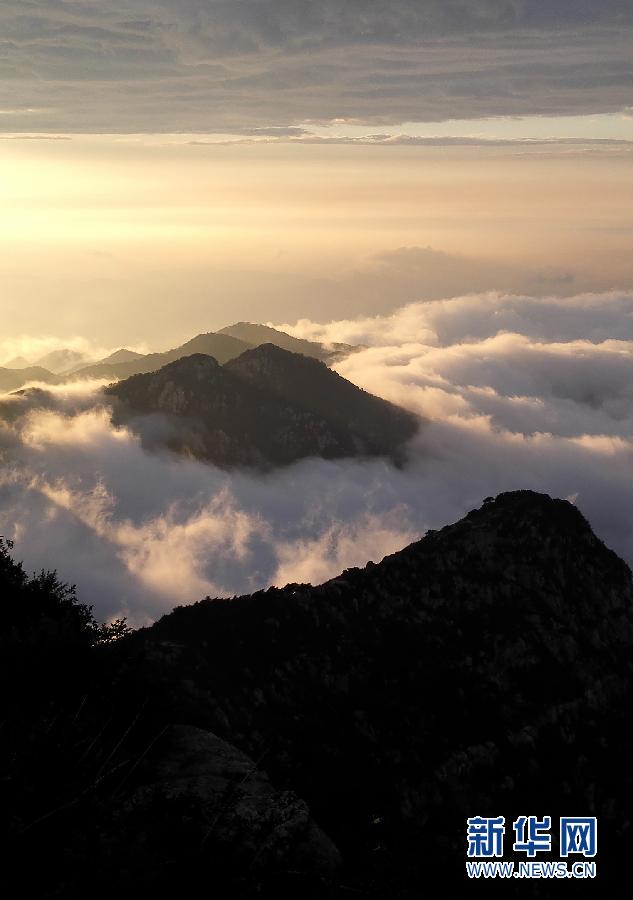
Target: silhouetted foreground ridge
(484, 670)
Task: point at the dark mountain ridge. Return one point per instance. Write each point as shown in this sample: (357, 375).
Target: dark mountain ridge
(484, 670)
(267, 407)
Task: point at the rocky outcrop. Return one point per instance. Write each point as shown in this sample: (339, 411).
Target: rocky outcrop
(193, 787)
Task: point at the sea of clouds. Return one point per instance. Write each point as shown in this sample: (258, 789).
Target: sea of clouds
(514, 392)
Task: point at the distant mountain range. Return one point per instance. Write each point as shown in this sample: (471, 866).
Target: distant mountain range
(266, 407)
(486, 669)
(220, 346)
(63, 365)
(13, 379)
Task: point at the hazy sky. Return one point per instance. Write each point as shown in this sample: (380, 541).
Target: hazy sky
(169, 167)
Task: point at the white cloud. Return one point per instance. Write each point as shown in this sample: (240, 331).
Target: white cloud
(587, 316)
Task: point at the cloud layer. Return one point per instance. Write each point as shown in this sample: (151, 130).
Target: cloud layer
(518, 392)
(220, 65)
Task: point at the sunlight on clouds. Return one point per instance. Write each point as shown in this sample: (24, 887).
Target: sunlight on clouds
(342, 545)
(44, 428)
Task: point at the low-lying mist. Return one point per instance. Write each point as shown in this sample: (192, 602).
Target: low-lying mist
(516, 392)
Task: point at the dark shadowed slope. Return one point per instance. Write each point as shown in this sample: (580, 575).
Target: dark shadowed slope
(221, 347)
(484, 670)
(264, 334)
(234, 416)
(379, 426)
(209, 413)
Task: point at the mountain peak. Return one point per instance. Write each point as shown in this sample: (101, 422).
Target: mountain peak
(270, 361)
(173, 389)
(62, 361)
(222, 346)
(123, 355)
(522, 516)
(526, 505)
(269, 350)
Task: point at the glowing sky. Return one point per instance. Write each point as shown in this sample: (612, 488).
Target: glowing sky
(168, 167)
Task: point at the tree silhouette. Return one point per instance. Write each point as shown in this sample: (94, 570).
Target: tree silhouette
(43, 608)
